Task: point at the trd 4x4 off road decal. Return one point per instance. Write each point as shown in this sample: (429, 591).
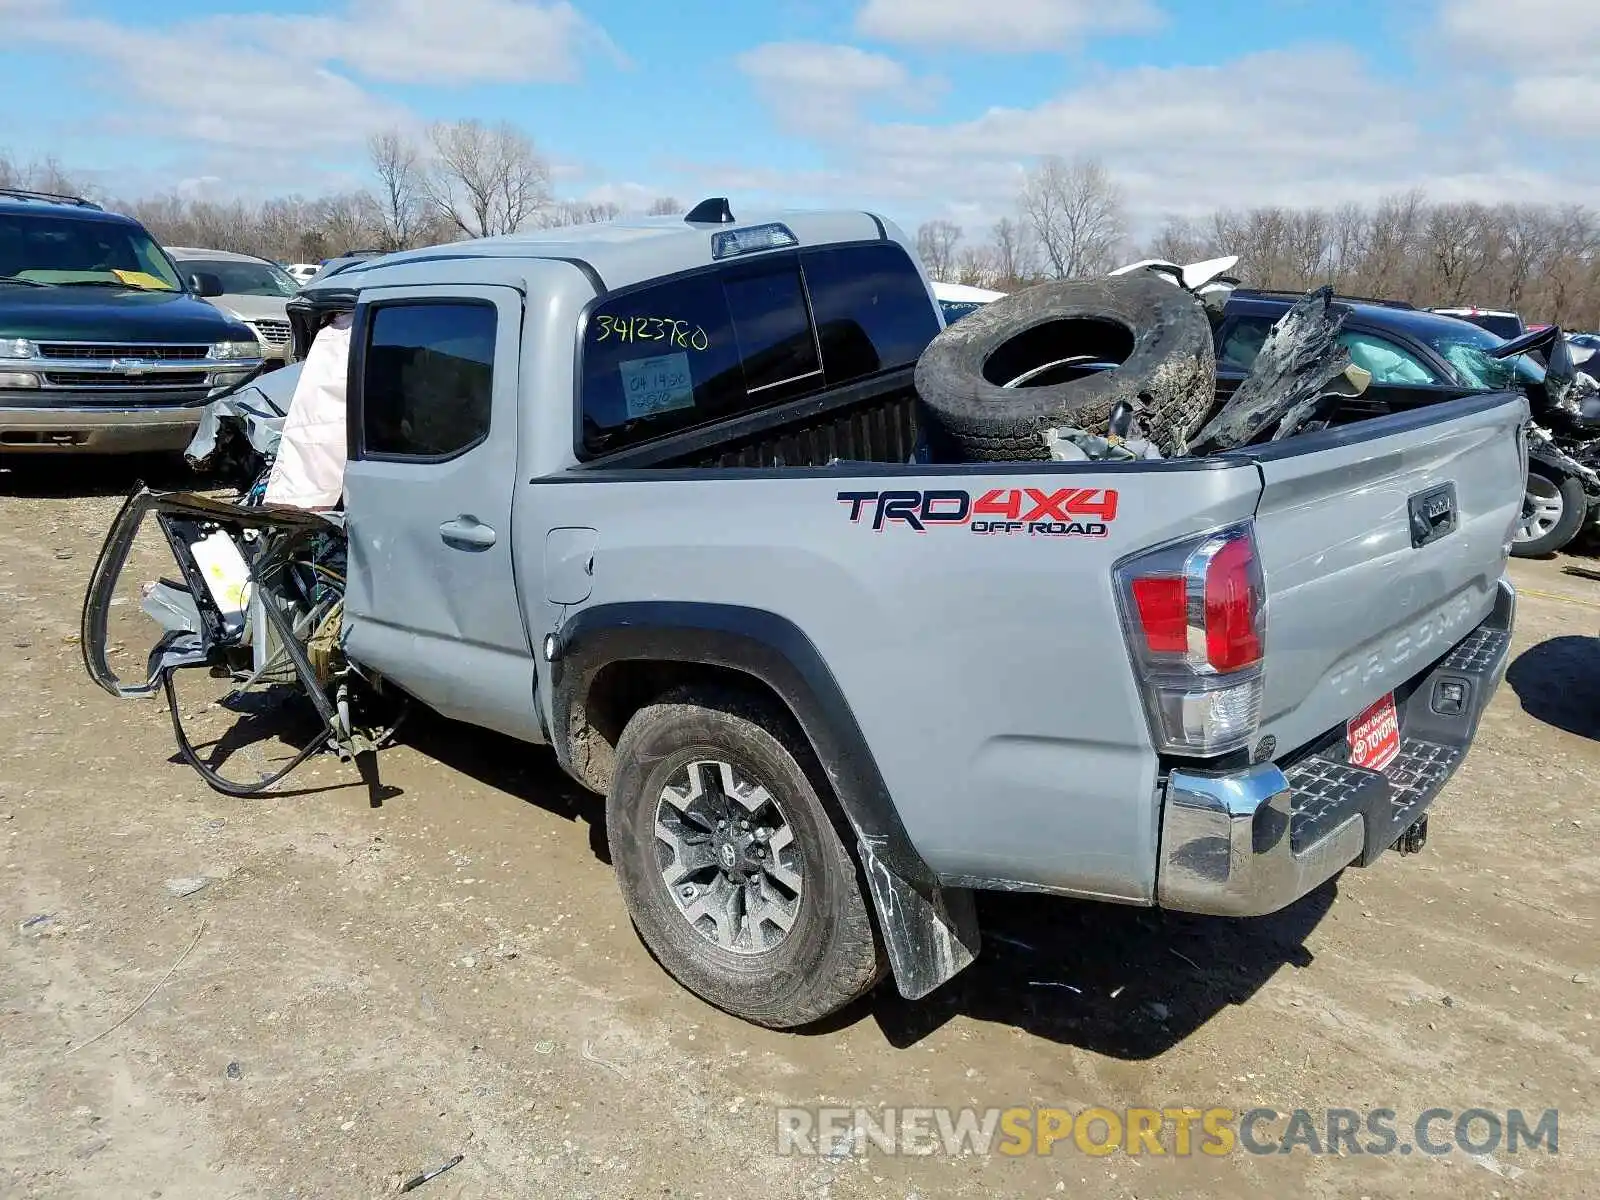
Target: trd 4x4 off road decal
(1031, 512)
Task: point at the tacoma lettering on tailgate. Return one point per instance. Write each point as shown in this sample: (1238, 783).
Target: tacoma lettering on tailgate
(1438, 630)
(1031, 512)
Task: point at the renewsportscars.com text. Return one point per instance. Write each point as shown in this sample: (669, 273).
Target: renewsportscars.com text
(839, 1132)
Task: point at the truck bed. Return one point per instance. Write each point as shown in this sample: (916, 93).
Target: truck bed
(876, 420)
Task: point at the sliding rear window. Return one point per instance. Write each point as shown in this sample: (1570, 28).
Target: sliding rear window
(872, 309)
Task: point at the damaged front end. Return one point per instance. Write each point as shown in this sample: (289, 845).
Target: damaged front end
(259, 603)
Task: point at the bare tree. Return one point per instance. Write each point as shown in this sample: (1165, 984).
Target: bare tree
(1569, 292)
(578, 212)
(1389, 263)
(1179, 241)
(41, 175)
(664, 206)
(280, 223)
(486, 180)
(1527, 238)
(1264, 240)
(401, 200)
(345, 222)
(1306, 248)
(1458, 248)
(166, 217)
(936, 247)
(1076, 211)
(1014, 259)
(1227, 232)
(975, 266)
(1542, 261)
(1349, 237)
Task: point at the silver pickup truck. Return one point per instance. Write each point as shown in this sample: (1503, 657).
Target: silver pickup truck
(654, 495)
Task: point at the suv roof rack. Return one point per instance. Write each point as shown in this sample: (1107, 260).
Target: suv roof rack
(1338, 297)
(49, 197)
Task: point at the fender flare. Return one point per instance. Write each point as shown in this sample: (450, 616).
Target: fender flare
(930, 931)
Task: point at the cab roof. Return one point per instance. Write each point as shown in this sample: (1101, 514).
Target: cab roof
(185, 253)
(21, 200)
(1418, 322)
(621, 252)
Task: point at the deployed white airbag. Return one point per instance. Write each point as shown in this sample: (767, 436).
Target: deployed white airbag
(309, 470)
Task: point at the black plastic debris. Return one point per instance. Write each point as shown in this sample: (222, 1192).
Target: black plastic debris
(1289, 380)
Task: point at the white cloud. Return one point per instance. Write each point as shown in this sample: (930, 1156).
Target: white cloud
(442, 41)
(274, 103)
(168, 89)
(273, 83)
(629, 196)
(1548, 52)
(199, 186)
(1534, 30)
(1309, 126)
(817, 88)
(1567, 103)
(1002, 24)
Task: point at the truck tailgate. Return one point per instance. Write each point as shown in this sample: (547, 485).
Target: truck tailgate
(1382, 544)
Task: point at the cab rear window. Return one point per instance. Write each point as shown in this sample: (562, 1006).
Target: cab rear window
(717, 344)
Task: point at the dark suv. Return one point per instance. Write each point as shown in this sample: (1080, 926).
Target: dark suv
(1419, 358)
(103, 346)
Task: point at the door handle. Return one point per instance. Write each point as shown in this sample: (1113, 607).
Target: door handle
(467, 533)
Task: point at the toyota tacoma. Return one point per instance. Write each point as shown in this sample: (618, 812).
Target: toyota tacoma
(659, 496)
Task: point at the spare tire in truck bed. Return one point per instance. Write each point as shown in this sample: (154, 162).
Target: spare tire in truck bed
(1158, 333)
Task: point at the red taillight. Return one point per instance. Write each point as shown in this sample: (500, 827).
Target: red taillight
(1194, 612)
(1198, 606)
(1163, 608)
(1233, 632)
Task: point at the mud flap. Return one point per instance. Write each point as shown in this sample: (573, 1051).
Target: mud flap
(931, 933)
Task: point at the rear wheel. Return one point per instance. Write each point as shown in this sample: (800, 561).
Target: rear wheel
(1553, 508)
(733, 871)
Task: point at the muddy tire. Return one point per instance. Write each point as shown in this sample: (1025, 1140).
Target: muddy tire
(734, 869)
(1159, 334)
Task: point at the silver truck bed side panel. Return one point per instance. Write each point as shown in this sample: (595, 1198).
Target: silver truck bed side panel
(988, 672)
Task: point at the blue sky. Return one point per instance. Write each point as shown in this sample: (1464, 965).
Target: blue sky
(919, 107)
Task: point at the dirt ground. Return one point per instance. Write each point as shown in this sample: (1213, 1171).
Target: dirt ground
(358, 994)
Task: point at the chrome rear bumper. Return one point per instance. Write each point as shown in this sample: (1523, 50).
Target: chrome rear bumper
(1252, 841)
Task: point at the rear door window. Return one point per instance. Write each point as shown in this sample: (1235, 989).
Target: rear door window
(426, 389)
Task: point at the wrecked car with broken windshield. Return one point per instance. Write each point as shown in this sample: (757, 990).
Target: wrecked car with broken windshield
(849, 614)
